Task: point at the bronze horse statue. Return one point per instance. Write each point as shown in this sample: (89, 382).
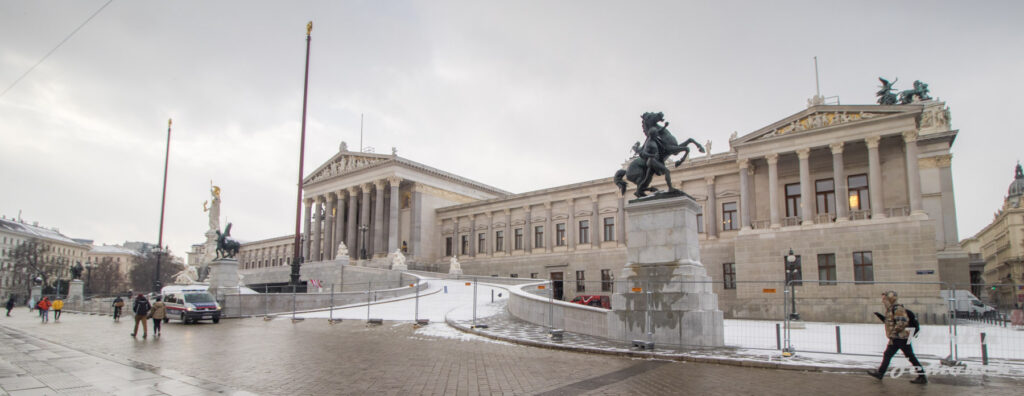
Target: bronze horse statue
(226, 247)
(649, 158)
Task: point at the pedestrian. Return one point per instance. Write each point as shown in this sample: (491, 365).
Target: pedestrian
(158, 313)
(10, 305)
(896, 321)
(117, 304)
(58, 305)
(44, 309)
(141, 309)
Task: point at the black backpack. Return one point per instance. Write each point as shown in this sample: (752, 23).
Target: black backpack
(913, 321)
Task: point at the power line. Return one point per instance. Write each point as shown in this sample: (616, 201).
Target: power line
(55, 48)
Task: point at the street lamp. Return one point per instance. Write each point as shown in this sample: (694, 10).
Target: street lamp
(362, 250)
(792, 269)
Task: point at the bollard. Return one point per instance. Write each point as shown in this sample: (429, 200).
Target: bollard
(331, 310)
(839, 341)
(778, 337)
(984, 350)
(492, 295)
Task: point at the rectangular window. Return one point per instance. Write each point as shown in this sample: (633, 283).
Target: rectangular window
(581, 285)
(448, 246)
(584, 231)
(560, 234)
(465, 245)
(730, 221)
(700, 219)
(863, 267)
(794, 272)
(827, 269)
(825, 194)
(538, 236)
(858, 187)
(499, 241)
(513, 275)
(517, 240)
(793, 200)
(729, 275)
(606, 280)
(533, 275)
(609, 229)
(481, 242)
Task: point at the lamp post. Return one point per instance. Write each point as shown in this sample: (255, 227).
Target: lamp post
(362, 246)
(88, 276)
(792, 269)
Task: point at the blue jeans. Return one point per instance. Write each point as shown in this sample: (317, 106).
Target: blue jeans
(45, 315)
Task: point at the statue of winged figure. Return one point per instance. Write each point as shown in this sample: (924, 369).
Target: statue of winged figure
(885, 95)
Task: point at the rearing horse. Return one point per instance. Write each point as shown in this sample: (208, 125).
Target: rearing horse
(650, 157)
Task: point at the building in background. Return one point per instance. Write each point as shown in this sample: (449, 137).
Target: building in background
(997, 251)
(60, 253)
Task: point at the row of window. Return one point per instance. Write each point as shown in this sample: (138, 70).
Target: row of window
(825, 195)
(267, 263)
(538, 237)
(863, 270)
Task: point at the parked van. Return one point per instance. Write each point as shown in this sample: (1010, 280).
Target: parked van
(191, 303)
(966, 305)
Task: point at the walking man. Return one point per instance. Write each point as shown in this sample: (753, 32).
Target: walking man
(141, 309)
(10, 305)
(117, 304)
(44, 309)
(896, 321)
(58, 305)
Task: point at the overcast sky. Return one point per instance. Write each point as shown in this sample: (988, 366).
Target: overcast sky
(520, 95)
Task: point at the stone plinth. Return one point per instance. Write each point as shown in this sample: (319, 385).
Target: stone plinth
(76, 291)
(663, 284)
(36, 294)
(223, 277)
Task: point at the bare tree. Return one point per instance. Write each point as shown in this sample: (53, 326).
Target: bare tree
(106, 278)
(32, 260)
(141, 275)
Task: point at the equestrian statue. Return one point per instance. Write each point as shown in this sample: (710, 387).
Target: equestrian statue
(649, 158)
(226, 247)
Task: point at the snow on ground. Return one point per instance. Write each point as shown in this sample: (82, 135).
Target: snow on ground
(441, 297)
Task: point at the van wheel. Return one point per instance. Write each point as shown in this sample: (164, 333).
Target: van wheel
(184, 319)
(216, 319)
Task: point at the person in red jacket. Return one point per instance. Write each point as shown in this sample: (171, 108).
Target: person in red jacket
(44, 309)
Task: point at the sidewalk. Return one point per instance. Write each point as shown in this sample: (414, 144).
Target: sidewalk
(32, 366)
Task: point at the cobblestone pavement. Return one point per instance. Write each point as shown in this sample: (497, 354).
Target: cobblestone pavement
(278, 357)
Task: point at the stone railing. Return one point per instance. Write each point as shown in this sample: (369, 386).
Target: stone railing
(900, 211)
(528, 302)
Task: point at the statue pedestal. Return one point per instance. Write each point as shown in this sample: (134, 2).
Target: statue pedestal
(37, 293)
(664, 294)
(76, 291)
(223, 277)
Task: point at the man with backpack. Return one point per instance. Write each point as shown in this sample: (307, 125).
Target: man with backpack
(141, 309)
(897, 321)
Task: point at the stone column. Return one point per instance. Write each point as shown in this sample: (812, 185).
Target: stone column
(773, 189)
(570, 225)
(378, 217)
(744, 194)
(351, 233)
(839, 177)
(509, 238)
(339, 221)
(807, 201)
(595, 228)
(472, 235)
(308, 235)
(489, 241)
(332, 205)
(913, 173)
(415, 219)
(393, 216)
(711, 214)
(456, 243)
(364, 219)
(875, 178)
(528, 230)
(549, 239)
(314, 246)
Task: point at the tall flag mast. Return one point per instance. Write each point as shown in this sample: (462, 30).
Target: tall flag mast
(297, 250)
(163, 203)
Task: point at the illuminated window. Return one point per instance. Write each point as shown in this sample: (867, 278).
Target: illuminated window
(729, 219)
(858, 185)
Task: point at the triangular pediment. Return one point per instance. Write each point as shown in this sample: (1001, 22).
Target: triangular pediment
(345, 162)
(825, 116)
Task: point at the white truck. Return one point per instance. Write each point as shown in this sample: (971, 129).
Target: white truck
(965, 304)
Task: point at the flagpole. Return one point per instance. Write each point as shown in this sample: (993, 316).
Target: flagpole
(297, 250)
(163, 203)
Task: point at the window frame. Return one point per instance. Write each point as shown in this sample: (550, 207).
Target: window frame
(581, 285)
(499, 240)
(729, 276)
(584, 232)
(828, 197)
(792, 200)
(560, 234)
(606, 280)
(517, 238)
(862, 192)
(481, 243)
(828, 269)
(609, 229)
(859, 266)
(730, 218)
(538, 237)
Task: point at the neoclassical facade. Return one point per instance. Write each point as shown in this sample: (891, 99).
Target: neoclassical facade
(60, 253)
(862, 193)
(997, 251)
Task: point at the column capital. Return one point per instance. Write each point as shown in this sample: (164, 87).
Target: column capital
(366, 187)
(837, 148)
(352, 191)
(394, 180)
(872, 141)
(772, 158)
(320, 199)
(803, 153)
(308, 202)
(379, 184)
(507, 211)
(526, 208)
(331, 197)
(910, 136)
(593, 197)
(709, 179)
(743, 163)
(547, 205)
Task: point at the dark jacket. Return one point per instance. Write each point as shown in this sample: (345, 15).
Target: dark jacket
(10, 303)
(141, 306)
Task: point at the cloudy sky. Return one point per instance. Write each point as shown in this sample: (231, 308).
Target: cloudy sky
(499, 92)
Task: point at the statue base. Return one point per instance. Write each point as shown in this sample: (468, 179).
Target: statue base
(223, 277)
(663, 294)
(36, 294)
(76, 291)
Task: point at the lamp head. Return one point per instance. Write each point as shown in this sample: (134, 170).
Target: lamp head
(791, 257)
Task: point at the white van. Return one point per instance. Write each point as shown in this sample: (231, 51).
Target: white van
(965, 304)
(190, 303)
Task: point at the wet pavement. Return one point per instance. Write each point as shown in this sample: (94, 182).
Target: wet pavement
(91, 354)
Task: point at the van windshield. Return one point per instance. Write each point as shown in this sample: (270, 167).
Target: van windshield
(199, 298)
